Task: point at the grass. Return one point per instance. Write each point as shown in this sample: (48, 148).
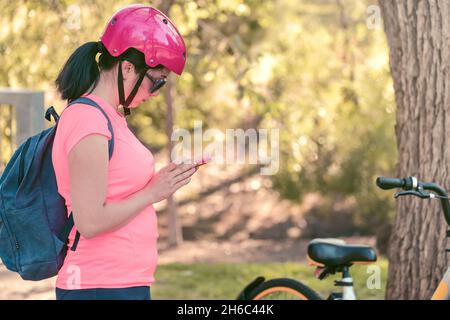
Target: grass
(203, 281)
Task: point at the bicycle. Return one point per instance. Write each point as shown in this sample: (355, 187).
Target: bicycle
(331, 256)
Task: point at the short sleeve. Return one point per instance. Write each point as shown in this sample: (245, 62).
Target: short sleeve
(79, 121)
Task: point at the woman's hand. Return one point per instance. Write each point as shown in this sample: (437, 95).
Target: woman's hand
(169, 179)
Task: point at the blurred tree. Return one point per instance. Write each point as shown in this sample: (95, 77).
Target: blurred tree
(7, 132)
(313, 69)
(175, 230)
(334, 102)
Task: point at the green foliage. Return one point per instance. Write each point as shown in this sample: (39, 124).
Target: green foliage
(336, 111)
(310, 68)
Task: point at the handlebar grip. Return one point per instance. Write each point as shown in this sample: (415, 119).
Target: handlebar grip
(390, 183)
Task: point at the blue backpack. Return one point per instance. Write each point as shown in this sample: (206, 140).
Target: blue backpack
(34, 226)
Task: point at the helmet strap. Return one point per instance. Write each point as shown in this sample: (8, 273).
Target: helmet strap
(125, 103)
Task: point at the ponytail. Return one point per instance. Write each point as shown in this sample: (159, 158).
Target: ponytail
(79, 73)
(82, 72)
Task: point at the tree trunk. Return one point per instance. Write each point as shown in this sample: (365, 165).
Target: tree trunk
(418, 34)
(174, 225)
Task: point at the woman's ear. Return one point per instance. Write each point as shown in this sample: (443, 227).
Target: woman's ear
(127, 70)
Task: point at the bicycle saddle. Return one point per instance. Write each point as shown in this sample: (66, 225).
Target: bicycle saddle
(335, 253)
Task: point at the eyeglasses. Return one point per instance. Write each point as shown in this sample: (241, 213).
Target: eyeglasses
(156, 83)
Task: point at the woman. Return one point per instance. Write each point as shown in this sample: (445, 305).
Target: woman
(111, 199)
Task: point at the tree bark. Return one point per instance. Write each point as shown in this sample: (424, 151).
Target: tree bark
(418, 34)
(175, 229)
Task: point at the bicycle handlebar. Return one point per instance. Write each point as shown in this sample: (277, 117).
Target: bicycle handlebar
(390, 183)
(411, 183)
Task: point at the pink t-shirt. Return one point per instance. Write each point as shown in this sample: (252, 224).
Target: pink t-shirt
(125, 257)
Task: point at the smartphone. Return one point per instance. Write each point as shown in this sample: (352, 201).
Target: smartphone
(204, 160)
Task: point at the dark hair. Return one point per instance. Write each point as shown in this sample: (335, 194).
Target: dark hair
(81, 71)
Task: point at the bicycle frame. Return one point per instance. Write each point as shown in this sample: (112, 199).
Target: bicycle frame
(442, 292)
(348, 293)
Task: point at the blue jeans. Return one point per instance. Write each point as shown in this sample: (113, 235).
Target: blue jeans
(133, 293)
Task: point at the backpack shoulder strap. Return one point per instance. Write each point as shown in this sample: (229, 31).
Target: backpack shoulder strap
(90, 102)
(64, 234)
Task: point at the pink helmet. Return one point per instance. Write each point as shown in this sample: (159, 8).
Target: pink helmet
(149, 31)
